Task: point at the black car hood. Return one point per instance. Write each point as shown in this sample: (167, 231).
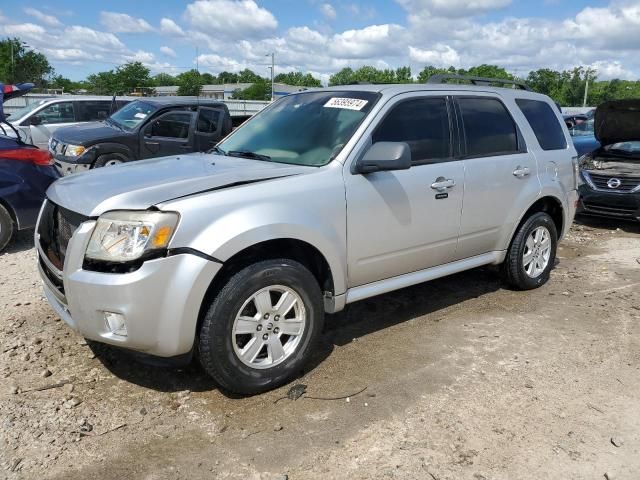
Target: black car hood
(87, 134)
(617, 121)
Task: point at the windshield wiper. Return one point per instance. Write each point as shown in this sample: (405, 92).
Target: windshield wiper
(217, 150)
(114, 123)
(249, 154)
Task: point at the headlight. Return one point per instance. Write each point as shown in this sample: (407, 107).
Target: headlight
(74, 150)
(123, 236)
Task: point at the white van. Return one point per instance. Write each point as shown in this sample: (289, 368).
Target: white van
(37, 121)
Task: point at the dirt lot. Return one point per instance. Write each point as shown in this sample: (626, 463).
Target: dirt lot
(464, 380)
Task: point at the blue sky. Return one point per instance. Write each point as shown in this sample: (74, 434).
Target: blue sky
(322, 36)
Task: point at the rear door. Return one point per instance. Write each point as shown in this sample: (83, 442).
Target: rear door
(92, 110)
(47, 120)
(407, 220)
(170, 133)
(208, 128)
(501, 177)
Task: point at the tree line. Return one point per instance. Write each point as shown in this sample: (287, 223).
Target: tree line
(20, 64)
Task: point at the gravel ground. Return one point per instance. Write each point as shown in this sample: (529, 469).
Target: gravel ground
(464, 380)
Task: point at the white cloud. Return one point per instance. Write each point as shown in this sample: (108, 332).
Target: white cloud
(169, 27)
(218, 63)
(168, 51)
(48, 20)
(369, 42)
(140, 56)
(124, 23)
(452, 8)
(328, 11)
(440, 56)
(232, 18)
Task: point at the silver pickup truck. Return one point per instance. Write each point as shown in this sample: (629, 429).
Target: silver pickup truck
(324, 198)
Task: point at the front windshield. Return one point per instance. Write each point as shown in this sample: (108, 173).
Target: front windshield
(304, 129)
(132, 114)
(16, 115)
(582, 129)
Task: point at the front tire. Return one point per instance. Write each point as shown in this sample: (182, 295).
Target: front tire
(261, 328)
(107, 161)
(7, 228)
(532, 253)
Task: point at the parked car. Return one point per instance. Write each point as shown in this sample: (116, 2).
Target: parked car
(610, 175)
(324, 198)
(147, 128)
(39, 120)
(25, 174)
(584, 138)
(573, 120)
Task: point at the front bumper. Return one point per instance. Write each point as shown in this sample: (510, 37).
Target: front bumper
(608, 204)
(160, 301)
(69, 168)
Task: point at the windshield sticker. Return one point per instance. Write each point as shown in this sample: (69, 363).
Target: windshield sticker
(346, 103)
(140, 115)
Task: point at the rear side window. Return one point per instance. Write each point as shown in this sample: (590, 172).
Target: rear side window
(93, 110)
(488, 127)
(544, 124)
(208, 120)
(423, 123)
(61, 112)
(172, 125)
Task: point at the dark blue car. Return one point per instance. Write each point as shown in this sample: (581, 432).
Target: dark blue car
(25, 174)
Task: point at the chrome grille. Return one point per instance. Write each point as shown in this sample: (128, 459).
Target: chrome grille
(56, 227)
(627, 184)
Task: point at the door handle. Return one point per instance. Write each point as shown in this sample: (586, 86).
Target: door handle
(441, 184)
(155, 144)
(521, 172)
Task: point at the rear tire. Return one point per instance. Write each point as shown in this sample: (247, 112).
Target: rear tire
(260, 330)
(532, 253)
(7, 228)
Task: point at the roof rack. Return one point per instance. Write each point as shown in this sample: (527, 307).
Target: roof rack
(442, 78)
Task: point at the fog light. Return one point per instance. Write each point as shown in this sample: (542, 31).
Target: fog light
(115, 323)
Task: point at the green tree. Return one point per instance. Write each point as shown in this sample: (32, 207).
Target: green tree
(60, 82)
(121, 81)
(24, 66)
(429, 71)
(489, 71)
(343, 77)
(208, 79)
(546, 81)
(248, 76)
(260, 90)
(189, 83)
(164, 80)
(297, 79)
(228, 77)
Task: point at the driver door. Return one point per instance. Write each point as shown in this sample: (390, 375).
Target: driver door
(44, 122)
(400, 221)
(168, 134)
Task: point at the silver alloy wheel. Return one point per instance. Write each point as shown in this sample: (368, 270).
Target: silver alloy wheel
(537, 252)
(269, 326)
(110, 163)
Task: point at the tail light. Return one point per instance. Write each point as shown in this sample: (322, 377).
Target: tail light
(33, 155)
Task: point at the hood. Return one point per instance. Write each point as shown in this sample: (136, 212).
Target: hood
(143, 184)
(87, 134)
(617, 121)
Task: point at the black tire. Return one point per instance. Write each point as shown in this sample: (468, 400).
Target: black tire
(103, 160)
(7, 228)
(216, 341)
(513, 269)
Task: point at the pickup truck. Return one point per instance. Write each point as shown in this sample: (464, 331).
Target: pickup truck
(324, 198)
(146, 128)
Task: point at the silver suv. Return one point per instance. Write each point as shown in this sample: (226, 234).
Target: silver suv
(324, 198)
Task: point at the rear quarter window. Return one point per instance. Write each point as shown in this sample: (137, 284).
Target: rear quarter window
(544, 123)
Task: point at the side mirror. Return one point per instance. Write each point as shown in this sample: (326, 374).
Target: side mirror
(384, 156)
(35, 120)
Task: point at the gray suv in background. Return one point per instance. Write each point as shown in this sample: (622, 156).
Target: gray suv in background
(324, 198)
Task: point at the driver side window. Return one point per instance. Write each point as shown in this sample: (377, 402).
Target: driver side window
(422, 123)
(172, 125)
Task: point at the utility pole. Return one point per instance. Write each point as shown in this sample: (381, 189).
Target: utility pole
(586, 88)
(273, 66)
